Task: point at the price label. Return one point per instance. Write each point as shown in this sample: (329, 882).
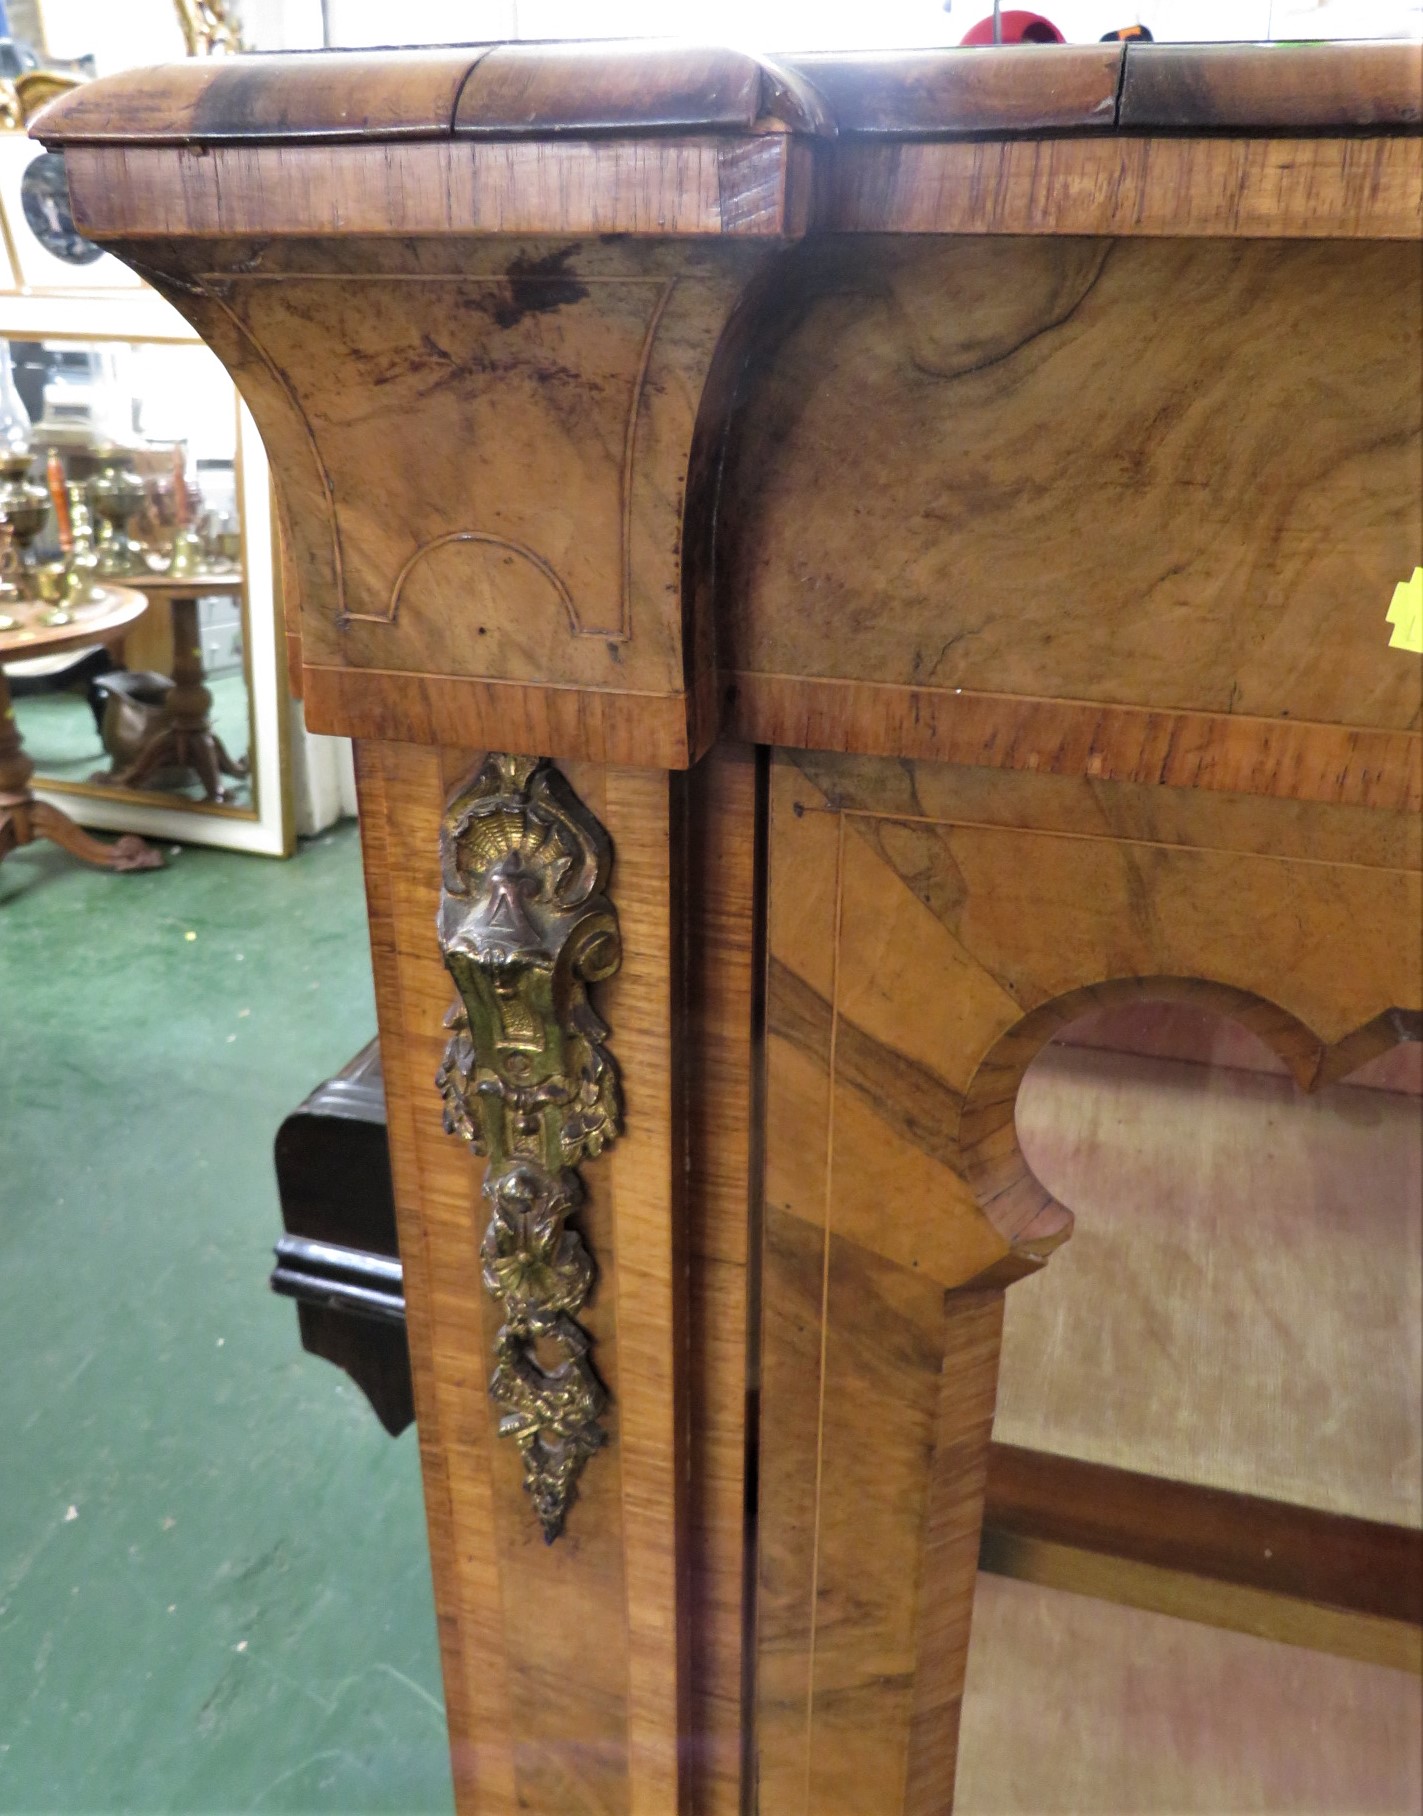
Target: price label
(1405, 614)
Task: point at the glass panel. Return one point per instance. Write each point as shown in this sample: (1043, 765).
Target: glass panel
(1239, 1306)
(132, 484)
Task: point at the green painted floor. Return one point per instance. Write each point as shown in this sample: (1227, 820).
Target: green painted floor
(214, 1588)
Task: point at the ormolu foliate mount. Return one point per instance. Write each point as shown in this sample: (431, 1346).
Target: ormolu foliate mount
(525, 927)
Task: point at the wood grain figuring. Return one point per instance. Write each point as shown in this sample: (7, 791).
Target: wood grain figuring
(571, 381)
(993, 1161)
(605, 727)
(1036, 489)
(1188, 819)
(291, 643)
(1077, 1705)
(654, 86)
(527, 1733)
(1023, 88)
(1325, 188)
(877, 1385)
(436, 1212)
(647, 1279)
(1017, 987)
(542, 88)
(436, 92)
(904, 964)
(1234, 1607)
(1218, 542)
(1245, 87)
(721, 815)
(802, 941)
(1331, 1559)
(1338, 764)
(953, 1516)
(1265, 188)
(882, 1341)
(665, 187)
(361, 94)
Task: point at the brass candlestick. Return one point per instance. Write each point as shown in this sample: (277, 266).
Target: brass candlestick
(187, 558)
(23, 504)
(9, 591)
(186, 554)
(115, 493)
(83, 557)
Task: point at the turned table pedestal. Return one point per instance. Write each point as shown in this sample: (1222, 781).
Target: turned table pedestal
(185, 738)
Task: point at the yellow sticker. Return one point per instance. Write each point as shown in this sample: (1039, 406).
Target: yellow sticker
(1406, 614)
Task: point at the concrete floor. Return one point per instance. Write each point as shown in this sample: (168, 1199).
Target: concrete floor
(214, 1589)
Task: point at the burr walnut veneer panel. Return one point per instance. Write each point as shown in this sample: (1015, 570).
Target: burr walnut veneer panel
(1167, 486)
(910, 985)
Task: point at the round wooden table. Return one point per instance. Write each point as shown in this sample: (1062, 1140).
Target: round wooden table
(185, 738)
(105, 619)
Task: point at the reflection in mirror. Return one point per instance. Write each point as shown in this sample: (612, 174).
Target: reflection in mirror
(1239, 1307)
(119, 469)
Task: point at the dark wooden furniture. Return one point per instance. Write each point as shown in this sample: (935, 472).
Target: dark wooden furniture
(185, 739)
(835, 568)
(340, 1257)
(105, 620)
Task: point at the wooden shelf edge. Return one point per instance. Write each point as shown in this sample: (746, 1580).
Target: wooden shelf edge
(1293, 1574)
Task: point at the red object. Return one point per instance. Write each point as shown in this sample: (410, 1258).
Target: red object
(1018, 28)
(182, 508)
(59, 498)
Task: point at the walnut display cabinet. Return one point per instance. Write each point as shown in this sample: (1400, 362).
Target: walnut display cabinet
(835, 568)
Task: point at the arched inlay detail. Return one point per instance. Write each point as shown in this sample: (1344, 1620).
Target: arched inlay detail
(519, 549)
(991, 1160)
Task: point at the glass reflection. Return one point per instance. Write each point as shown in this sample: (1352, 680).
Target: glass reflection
(119, 470)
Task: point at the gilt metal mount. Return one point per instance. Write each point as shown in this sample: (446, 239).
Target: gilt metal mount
(525, 928)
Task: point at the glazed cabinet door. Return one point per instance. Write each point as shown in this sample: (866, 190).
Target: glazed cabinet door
(930, 931)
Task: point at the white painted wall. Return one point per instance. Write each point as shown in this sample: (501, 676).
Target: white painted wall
(125, 33)
(847, 24)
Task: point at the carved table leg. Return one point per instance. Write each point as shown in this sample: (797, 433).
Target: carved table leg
(23, 819)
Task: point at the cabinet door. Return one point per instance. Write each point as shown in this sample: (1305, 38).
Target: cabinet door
(1242, 1315)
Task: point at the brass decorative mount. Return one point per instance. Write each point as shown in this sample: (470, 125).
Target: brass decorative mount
(525, 928)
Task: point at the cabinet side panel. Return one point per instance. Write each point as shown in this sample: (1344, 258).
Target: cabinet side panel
(436, 1193)
(565, 1686)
